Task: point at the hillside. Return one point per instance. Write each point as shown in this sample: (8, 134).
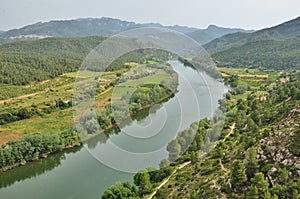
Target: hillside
(273, 48)
(26, 61)
(256, 156)
(258, 160)
(280, 32)
(37, 60)
(269, 54)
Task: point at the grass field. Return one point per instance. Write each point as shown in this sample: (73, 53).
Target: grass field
(252, 77)
(43, 94)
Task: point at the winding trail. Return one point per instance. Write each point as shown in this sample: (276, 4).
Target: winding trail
(232, 127)
(230, 132)
(21, 97)
(166, 180)
(32, 94)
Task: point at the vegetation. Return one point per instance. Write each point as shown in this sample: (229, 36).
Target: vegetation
(271, 48)
(35, 146)
(119, 191)
(131, 102)
(267, 54)
(29, 61)
(243, 163)
(49, 109)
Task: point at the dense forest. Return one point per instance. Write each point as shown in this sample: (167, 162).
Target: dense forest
(256, 161)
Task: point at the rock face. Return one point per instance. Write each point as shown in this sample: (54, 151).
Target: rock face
(275, 148)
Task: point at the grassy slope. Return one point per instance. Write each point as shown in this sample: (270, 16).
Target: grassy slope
(275, 48)
(205, 178)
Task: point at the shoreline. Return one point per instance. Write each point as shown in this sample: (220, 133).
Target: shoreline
(84, 139)
(90, 136)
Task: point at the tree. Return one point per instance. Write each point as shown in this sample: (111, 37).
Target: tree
(164, 162)
(267, 195)
(140, 176)
(121, 190)
(283, 175)
(238, 176)
(260, 182)
(145, 186)
(174, 150)
(23, 114)
(295, 146)
(195, 156)
(251, 162)
(252, 192)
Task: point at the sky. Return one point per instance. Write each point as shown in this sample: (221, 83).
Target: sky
(247, 14)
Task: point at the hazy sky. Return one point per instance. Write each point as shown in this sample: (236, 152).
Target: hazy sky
(249, 14)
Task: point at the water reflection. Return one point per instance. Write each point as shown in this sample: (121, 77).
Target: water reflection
(33, 169)
(103, 137)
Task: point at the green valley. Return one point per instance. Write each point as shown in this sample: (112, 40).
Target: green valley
(150, 113)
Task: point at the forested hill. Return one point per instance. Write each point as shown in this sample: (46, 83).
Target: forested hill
(26, 61)
(276, 48)
(266, 54)
(283, 31)
(37, 60)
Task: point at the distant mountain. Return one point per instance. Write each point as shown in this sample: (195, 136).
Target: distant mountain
(279, 32)
(82, 27)
(277, 47)
(212, 32)
(106, 27)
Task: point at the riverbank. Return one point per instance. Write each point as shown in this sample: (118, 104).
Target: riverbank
(21, 158)
(70, 171)
(90, 136)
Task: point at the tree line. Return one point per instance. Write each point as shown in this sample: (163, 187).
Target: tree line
(35, 146)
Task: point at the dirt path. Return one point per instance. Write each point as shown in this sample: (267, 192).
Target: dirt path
(222, 166)
(230, 132)
(32, 94)
(232, 127)
(166, 180)
(21, 97)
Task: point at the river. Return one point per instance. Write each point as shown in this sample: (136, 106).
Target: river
(76, 173)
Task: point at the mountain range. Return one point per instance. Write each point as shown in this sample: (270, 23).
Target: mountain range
(106, 27)
(277, 47)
